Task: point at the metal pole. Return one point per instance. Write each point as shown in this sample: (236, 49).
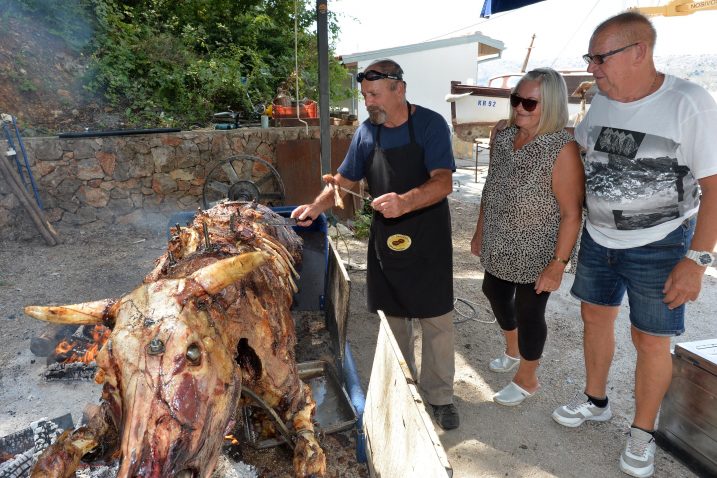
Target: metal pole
(323, 49)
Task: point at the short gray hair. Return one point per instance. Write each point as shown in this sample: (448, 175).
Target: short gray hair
(387, 65)
(634, 27)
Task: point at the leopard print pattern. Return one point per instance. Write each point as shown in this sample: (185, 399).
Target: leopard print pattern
(520, 212)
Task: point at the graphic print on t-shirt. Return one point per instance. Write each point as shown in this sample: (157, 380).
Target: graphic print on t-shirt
(634, 181)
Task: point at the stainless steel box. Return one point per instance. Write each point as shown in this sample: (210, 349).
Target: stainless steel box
(688, 419)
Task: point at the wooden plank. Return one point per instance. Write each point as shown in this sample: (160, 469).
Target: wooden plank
(401, 440)
(337, 307)
(299, 165)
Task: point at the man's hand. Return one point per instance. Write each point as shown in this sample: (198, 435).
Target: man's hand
(683, 284)
(499, 126)
(336, 188)
(390, 205)
(305, 214)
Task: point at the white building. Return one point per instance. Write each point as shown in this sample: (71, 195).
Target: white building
(430, 67)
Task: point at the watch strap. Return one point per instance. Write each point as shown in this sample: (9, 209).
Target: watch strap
(702, 258)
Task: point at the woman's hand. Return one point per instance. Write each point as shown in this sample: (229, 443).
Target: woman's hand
(549, 280)
(478, 235)
(476, 241)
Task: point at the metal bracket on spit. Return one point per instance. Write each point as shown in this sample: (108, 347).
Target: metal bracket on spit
(283, 429)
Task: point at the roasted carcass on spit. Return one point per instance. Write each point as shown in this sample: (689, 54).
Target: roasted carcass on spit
(211, 317)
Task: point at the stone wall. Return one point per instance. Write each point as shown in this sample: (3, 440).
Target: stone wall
(117, 179)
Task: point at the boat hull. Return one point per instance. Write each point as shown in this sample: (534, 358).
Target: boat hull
(476, 109)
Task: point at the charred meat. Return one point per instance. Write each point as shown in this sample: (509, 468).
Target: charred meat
(212, 317)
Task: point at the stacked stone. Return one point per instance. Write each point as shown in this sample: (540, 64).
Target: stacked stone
(125, 179)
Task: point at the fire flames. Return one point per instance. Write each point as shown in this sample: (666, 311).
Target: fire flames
(82, 349)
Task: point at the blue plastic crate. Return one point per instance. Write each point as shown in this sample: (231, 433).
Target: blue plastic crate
(314, 265)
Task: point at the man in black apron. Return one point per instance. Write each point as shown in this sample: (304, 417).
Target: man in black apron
(404, 153)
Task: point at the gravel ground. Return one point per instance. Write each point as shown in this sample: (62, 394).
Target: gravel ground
(97, 262)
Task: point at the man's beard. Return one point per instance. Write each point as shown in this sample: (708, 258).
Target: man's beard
(377, 115)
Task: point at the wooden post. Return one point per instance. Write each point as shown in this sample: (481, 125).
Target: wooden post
(43, 226)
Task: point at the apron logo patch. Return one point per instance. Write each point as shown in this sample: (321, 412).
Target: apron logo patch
(398, 242)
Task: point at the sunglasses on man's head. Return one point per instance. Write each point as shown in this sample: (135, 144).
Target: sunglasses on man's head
(528, 104)
(373, 75)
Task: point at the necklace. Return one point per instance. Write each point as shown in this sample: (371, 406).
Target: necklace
(654, 82)
(651, 90)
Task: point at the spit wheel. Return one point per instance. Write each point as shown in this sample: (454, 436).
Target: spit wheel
(243, 178)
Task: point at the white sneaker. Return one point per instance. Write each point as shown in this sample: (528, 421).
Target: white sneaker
(578, 411)
(506, 363)
(638, 458)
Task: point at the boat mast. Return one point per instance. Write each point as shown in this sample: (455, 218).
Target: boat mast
(527, 55)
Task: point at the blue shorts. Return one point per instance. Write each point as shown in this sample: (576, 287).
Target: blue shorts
(603, 275)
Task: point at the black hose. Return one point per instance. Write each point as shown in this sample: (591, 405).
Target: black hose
(118, 132)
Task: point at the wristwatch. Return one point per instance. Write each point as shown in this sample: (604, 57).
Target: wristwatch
(702, 258)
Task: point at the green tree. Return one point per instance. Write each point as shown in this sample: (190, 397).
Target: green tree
(174, 63)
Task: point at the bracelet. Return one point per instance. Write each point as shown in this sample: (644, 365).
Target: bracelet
(562, 261)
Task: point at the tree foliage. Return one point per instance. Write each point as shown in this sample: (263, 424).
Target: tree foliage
(174, 63)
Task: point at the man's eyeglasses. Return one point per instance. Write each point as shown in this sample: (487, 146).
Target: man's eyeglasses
(528, 104)
(373, 75)
(599, 58)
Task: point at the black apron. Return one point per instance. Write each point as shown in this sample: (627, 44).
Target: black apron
(410, 261)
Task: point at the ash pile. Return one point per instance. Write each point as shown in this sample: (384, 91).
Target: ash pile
(247, 456)
(19, 451)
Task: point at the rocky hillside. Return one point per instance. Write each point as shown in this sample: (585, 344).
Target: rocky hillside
(41, 82)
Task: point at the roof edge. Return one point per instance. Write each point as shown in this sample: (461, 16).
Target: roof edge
(429, 45)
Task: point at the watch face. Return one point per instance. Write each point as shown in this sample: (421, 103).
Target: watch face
(705, 259)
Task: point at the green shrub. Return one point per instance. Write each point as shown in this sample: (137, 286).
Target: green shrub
(362, 221)
(187, 60)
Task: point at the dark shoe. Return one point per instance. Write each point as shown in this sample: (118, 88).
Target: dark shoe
(446, 416)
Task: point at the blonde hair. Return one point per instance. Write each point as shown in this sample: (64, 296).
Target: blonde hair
(553, 99)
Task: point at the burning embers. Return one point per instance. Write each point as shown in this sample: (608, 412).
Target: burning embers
(82, 346)
(70, 351)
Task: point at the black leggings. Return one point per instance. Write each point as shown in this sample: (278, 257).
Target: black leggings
(518, 306)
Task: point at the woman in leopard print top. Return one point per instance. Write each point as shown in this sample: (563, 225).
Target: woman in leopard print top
(529, 221)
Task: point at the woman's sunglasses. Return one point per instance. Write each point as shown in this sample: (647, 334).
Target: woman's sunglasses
(528, 104)
(373, 75)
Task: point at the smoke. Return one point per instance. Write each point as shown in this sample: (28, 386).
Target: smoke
(45, 48)
(71, 20)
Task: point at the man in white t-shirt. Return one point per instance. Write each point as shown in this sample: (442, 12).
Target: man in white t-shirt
(651, 152)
